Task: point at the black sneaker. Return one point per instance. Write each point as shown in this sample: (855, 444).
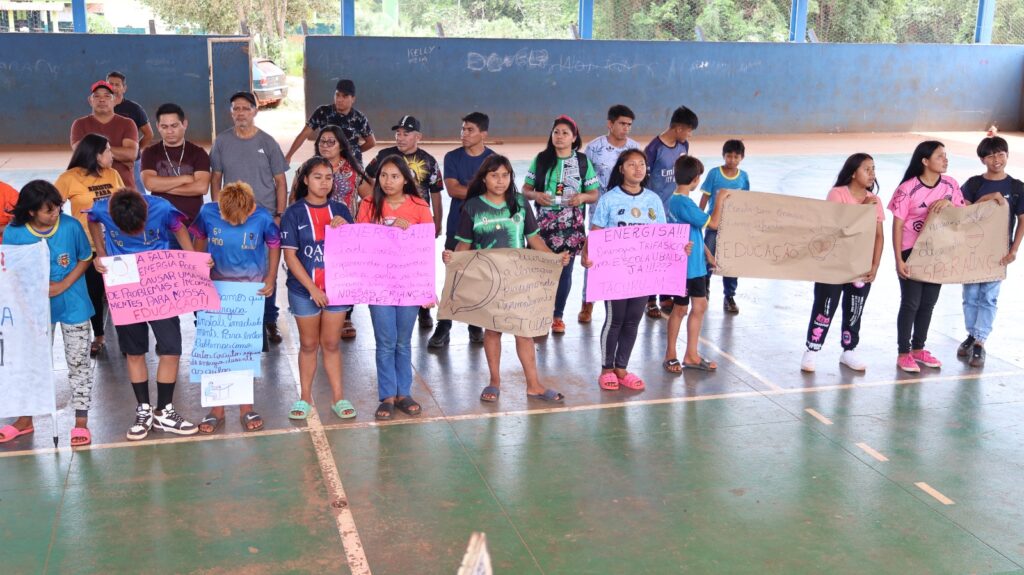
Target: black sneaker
(977, 356)
(426, 322)
(171, 422)
(142, 424)
(965, 348)
(476, 334)
(440, 338)
(273, 334)
(729, 305)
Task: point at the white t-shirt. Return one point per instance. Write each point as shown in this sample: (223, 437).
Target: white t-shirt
(603, 154)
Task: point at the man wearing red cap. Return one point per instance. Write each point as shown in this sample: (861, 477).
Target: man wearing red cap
(120, 131)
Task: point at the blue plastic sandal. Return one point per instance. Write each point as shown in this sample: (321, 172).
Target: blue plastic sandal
(301, 407)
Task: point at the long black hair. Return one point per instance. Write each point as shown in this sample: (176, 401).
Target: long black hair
(346, 148)
(33, 197)
(408, 187)
(850, 168)
(299, 187)
(86, 154)
(615, 179)
(478, 186)
(547, 159)
(923, 151)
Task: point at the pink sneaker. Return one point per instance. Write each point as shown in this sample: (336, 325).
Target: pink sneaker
(907, 364)
(924, 357)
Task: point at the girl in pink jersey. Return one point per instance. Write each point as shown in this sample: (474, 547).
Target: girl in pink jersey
(924, 190)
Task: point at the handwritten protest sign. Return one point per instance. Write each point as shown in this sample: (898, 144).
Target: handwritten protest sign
(26, 371)
(230, 339)
(380, 265)
(783, 237)
(228, 388)
(506, 290)
(962, 245)
(631, 261)
(171, 282)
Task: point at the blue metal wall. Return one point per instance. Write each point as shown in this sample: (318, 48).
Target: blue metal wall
(45, 79)
(735, 88)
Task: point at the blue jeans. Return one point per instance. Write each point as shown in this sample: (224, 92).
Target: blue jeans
(270, 309)
(980, 308)
(728, 284)
(564, 287)
(392, 330)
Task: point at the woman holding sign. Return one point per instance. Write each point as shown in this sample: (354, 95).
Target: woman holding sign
(924, 190)
(302, 240)
(395, 202)
(855, 185)
(245, 245)
(37, 218)
(495, 215)
(560, 181)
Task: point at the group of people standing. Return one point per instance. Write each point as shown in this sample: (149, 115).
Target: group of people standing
(255, 221)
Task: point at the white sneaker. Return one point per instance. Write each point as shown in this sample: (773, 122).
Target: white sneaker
(142, 424)
(850, 360)
(807, 363)
(171, 422)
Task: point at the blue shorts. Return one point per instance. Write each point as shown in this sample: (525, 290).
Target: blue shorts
(303, 306)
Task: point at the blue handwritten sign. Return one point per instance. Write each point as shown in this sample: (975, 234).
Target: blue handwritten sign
(230, 339)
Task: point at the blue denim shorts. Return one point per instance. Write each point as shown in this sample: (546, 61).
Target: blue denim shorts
(303, 306)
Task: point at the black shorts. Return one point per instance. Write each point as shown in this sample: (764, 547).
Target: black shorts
(134, 338)
(695, 287)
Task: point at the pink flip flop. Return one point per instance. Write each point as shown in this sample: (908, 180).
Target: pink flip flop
(632, 381)
(608, 381)
(9, 432)
(80, 433)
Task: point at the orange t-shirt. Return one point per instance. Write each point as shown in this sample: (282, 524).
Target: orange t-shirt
(8, 197)
(414, 210)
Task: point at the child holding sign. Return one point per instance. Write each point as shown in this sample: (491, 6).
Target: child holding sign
(728, 176)
(855, 185)
(924, 190)
(682, 210)
(129, 223)
(495, 215)
(396, 201)
(302, 239)
(37, 218)
(245, 245)
(626, 203)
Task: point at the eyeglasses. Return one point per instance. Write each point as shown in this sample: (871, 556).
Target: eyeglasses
(328, 142)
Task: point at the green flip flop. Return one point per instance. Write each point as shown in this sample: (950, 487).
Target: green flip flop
(301, 407)
(342, 406)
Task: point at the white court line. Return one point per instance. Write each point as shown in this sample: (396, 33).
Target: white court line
(340, 507)
(934, 493)
(872, 452)
(741, 365)
(818, 416)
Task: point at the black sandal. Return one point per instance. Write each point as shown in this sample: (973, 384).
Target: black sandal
(409, 406)
(385, 411)
(251, 417)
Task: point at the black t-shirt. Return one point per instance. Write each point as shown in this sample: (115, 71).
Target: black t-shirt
(424, 167)
(135, 113)
(1010, 188)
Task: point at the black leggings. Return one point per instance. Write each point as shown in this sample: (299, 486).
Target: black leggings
(98, 297)
(917, 299)
(826, 299)
(621, 321)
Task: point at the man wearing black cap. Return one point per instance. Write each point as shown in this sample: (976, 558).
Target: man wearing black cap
(341, 114)
(426, 170)
(248, 154)
(120, 131)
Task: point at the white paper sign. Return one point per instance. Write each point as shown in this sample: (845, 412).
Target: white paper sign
(26, 370)
(227, 388)
(120, 270)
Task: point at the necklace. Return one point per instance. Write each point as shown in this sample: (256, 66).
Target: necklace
(177, 171)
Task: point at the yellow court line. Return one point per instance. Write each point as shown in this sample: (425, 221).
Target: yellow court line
(741, 365)
(872, 452)
(934, 493)
(818, 416)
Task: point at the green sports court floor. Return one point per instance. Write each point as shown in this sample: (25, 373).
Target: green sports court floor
(754, 469)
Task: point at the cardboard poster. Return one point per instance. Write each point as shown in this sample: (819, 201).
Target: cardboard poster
(783, 237)
(962, 245)
(171, 283)
(380, 265)
(26, 367)
(632, 261)
(506, 290)
(230, 339)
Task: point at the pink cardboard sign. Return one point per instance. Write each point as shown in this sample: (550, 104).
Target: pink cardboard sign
(632, 261)
(380, 265)
(171, 283)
